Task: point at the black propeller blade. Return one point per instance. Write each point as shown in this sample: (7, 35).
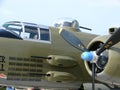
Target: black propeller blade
(93, 76)
(73, 40)
(87, 55)
(114, 39)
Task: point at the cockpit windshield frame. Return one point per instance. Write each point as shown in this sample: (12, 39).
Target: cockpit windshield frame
(30, 31)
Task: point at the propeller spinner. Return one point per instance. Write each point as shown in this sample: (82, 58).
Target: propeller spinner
(91, 56)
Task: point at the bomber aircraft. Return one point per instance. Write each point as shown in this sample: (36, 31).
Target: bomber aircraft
(63, 56)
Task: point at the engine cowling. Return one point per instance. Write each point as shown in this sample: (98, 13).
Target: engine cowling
(107, 69)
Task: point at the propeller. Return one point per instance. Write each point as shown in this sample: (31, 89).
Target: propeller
(90, 56)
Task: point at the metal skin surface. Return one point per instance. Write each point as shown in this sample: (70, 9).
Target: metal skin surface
(27, 63)
(16, 55)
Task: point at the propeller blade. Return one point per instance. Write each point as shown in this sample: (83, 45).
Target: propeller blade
(90, 56)
(72, 39)
(93, 76)
(114, 39)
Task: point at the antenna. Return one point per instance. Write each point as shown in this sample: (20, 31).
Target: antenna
(85, 28)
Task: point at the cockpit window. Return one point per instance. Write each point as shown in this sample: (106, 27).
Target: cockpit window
(44, 34)
(14, 27)
(31, 32)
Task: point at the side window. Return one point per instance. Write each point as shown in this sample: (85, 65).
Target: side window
(31, 32)
(44, 34)
(14, 27)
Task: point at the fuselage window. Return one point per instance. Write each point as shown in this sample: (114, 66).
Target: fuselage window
(31, 32)
(14, 27)
(44, 34)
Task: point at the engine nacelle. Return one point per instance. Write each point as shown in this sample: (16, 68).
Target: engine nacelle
(108, 69)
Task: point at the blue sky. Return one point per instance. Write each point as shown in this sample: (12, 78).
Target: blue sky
(96, 14)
